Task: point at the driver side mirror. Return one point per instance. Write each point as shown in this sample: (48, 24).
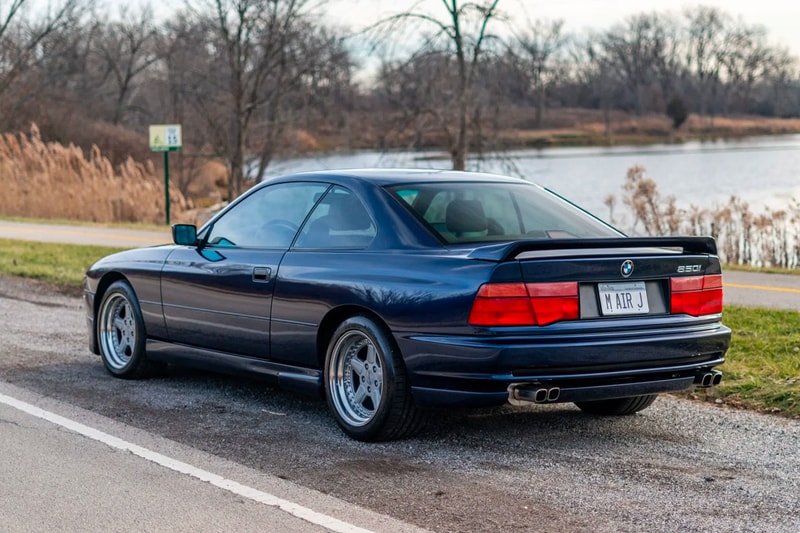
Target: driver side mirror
(184, 234)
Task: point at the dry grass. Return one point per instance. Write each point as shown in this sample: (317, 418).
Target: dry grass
(50, 180)
(740, 126)
(766, 240)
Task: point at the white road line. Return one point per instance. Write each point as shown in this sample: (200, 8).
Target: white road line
(256, 495)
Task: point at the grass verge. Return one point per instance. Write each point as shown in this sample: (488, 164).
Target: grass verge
(762, 371)
(60, 264)
(762, 368)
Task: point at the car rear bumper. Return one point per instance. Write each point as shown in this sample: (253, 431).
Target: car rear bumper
(483, 371)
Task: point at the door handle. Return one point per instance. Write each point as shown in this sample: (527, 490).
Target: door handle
(261, 274)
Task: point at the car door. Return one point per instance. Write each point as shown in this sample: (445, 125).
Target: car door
(219, 296)
(318, 273)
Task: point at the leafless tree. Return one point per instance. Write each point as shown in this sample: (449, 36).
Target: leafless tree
(595, 70)
(780, 87)
(539, 46)
(637, 52)
(21, 35)
(706, 49)
(461, 33)
(255, 55)
(126, 49)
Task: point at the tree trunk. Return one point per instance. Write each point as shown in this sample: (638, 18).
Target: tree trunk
(539, 108)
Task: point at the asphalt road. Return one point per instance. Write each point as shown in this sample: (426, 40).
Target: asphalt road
(69, 234)
(776, 291)
(63, 475)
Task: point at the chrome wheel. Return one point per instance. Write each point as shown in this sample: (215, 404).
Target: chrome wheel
(117, 334)
(366, 385)
(121, 333)
(356, 378)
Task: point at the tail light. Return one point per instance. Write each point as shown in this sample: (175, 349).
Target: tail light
(696, 295)
(524, 304)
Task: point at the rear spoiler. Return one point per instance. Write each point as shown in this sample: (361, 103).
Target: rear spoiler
(510, 250)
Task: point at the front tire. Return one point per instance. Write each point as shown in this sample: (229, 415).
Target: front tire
(120, 333)
(366, 386)
(617, 406)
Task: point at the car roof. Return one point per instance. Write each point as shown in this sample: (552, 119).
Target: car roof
(387, 177)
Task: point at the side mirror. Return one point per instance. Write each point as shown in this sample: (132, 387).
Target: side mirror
(184, 234)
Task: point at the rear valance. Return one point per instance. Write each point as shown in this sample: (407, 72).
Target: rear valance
(627, 245)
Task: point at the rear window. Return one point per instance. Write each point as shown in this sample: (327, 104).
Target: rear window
(460, 212)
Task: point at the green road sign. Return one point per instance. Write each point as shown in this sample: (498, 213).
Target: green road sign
(165, 137)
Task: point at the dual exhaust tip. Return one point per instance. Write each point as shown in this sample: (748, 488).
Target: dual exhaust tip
(528, 393)
(708, 379)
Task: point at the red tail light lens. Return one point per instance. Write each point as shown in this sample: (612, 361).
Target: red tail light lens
(554, 301)
(696, 295)
(521, 304)
(501, 304)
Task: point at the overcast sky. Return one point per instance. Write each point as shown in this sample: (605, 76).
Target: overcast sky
(780, 17)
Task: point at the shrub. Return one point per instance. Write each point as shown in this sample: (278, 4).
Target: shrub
(769, 239)
(676, 110)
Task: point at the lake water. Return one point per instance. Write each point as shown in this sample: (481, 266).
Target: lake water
(764, 171)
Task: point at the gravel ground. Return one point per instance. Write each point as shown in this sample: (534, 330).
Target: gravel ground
(677, 466)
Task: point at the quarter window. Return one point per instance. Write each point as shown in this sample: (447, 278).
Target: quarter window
(339, 220)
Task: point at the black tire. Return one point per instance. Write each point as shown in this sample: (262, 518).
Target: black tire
(121, 334)
(618, 406)
(366, 386)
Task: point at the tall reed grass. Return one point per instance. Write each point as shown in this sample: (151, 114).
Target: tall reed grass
(768, 239)
(50, 180)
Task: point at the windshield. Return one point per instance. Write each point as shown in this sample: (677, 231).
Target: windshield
(461, 212)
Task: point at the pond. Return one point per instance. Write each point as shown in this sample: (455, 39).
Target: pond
(764, 171)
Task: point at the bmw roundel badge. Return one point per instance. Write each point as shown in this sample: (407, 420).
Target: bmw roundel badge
(627, 268)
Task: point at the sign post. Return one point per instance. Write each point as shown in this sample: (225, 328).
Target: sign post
(166, 138)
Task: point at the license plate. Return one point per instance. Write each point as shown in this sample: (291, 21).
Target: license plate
(628, 298)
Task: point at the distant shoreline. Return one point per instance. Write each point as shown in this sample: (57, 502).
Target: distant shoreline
(562, 128)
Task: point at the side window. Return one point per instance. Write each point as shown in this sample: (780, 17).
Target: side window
(267, 218)
(340, 220)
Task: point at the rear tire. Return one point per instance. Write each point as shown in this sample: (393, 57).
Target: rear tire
(617, 406)
(366, 385)
(121, 335)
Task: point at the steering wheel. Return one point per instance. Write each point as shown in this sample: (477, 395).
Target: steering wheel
(280, 231)
(281, 224)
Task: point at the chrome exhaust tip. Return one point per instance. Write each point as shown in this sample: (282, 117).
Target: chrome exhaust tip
(708, 379)
(527, 392)
(553, 394)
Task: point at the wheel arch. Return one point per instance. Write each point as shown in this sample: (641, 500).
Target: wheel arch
(336, 316)
(102, 286)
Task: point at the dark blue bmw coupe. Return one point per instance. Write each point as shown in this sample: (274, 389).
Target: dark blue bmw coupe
(390, 291)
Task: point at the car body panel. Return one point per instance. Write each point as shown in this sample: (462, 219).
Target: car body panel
(221, 304)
